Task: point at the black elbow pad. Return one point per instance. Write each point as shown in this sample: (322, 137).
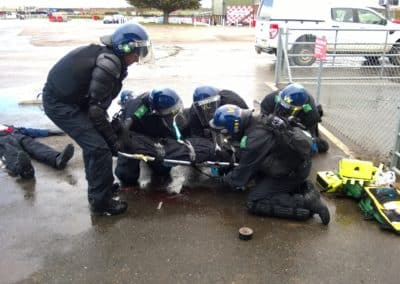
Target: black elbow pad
(105, 76)
(110, 63)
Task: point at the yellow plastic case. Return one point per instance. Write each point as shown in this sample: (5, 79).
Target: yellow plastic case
(329, 181)
(356, 169)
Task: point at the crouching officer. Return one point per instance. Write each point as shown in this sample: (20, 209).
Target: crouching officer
(294, 100)
(79, 89)
(206, 100)
(156, 114)
(278, 157)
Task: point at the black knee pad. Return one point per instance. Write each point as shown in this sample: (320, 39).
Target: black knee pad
(291, 213)
(302, 214)
(261, 208)
(266, 208)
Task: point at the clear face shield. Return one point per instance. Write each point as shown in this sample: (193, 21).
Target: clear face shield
(222, 138)
(220, 132)
(143, 49)
(174, 119)
(283, 109)
(206, 108)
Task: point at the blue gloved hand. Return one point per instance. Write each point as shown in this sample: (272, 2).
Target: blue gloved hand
(214, 172)
(314, 146)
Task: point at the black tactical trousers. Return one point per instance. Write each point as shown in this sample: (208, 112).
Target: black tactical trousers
(97, 156)
(35, 149)
(280, 197)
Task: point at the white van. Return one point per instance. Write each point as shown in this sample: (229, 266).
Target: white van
(325, 14)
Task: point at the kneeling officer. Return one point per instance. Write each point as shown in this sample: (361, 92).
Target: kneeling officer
(278, 157)
(156, 114)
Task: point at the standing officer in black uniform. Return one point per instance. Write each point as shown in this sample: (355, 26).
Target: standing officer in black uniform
(206, 100)
(156, 114)
(79, 89)
(294, 100)
(278, 157)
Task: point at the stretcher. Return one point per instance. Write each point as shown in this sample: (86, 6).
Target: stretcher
(146, 158)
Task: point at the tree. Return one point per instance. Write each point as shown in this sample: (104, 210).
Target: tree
(166, 6)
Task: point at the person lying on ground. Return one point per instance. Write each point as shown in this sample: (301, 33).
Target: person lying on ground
(18, 146)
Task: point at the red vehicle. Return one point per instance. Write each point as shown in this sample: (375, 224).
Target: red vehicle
(58, 17)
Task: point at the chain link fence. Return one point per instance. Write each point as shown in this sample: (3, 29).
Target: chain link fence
(359, 91)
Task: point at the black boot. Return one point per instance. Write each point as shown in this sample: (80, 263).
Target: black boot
(323, 145)
(63, 158)
(109, 207)
(19, 164)
(115, 189)
(313, 202)
(322, 210)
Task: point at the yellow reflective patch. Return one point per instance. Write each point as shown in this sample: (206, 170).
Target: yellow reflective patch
(230, 109)
(288, 100)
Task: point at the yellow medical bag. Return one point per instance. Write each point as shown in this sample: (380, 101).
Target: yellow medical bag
(329, 181)
(356, 169)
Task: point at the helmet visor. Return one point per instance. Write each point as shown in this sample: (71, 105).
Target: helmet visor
(143, 49)
(206, 108)
(283, 109)
(172, 114)
(175, 122)
(172, 111)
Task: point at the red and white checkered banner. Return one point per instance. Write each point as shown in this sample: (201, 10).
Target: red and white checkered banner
(239, 14)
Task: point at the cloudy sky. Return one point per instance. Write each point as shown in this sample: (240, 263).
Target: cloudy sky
(73, 3)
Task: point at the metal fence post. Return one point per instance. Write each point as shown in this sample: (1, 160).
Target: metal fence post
(321, 66)
(396, 152)
(279, 61)
(286, 55)
(383, 65)
(334, 47)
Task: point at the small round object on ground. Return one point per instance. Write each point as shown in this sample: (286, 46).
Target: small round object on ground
(245, 233)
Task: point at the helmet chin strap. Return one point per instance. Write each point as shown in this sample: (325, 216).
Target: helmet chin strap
(178, 134)
(176, 129)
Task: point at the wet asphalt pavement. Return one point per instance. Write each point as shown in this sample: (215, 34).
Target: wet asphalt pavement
(47, 234)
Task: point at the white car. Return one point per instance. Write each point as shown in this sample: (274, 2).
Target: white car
(114, 19)
(108, 20)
